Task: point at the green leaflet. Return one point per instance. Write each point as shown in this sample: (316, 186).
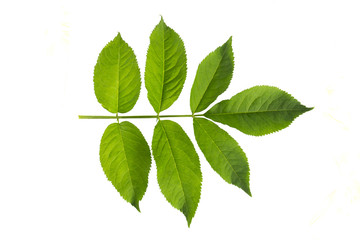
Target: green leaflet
(117, 77)
(223, 153)
(212, 77)
(258, 110)
(165, 70)
(178, 167)
(125, 158)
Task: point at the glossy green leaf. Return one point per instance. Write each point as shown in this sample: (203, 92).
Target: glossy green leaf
(223, 153)
(117, 77)
(258, 110)
(212, 77)
(125, 158)
(178, 167)
(165, 70)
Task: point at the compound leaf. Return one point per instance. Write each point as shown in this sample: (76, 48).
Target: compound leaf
(125, 158)
(212, 77)
(117, 77)
(178, 167)
(223, 153)
(165, 70)
(258, 110)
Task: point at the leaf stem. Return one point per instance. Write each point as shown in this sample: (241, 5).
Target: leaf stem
(141, 116)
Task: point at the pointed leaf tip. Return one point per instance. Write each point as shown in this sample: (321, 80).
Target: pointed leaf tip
(229, 40)
(188, 222)
(161, 23)
(249, 193)
(136, 205)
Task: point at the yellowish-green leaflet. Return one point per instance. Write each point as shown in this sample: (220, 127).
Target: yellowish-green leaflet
(223, 153)
(125, 159)
(117, 77)
(258, 110)
(212, 77)
(165, 70)
(178, 167)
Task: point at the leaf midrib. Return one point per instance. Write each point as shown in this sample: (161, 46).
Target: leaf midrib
(118, 80)
(127, 164)
(172, 154)
(163, 65)
(266, 111)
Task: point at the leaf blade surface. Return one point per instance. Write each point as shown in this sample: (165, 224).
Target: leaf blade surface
(223, 153)
(125, 158)
(258, 111)
(178, 167)
(165, 69)
(213, 77)
(117, 77)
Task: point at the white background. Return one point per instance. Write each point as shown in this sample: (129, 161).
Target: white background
(305, 179)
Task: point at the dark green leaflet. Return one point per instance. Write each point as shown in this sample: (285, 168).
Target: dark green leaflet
(223, 153)
(258, 110)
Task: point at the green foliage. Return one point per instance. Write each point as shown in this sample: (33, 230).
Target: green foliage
(117, 77)
(258, 110)
(124, 153)
(165, 70)
(223, 153)
(212, 77)
(178, 167)
(125, 158)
